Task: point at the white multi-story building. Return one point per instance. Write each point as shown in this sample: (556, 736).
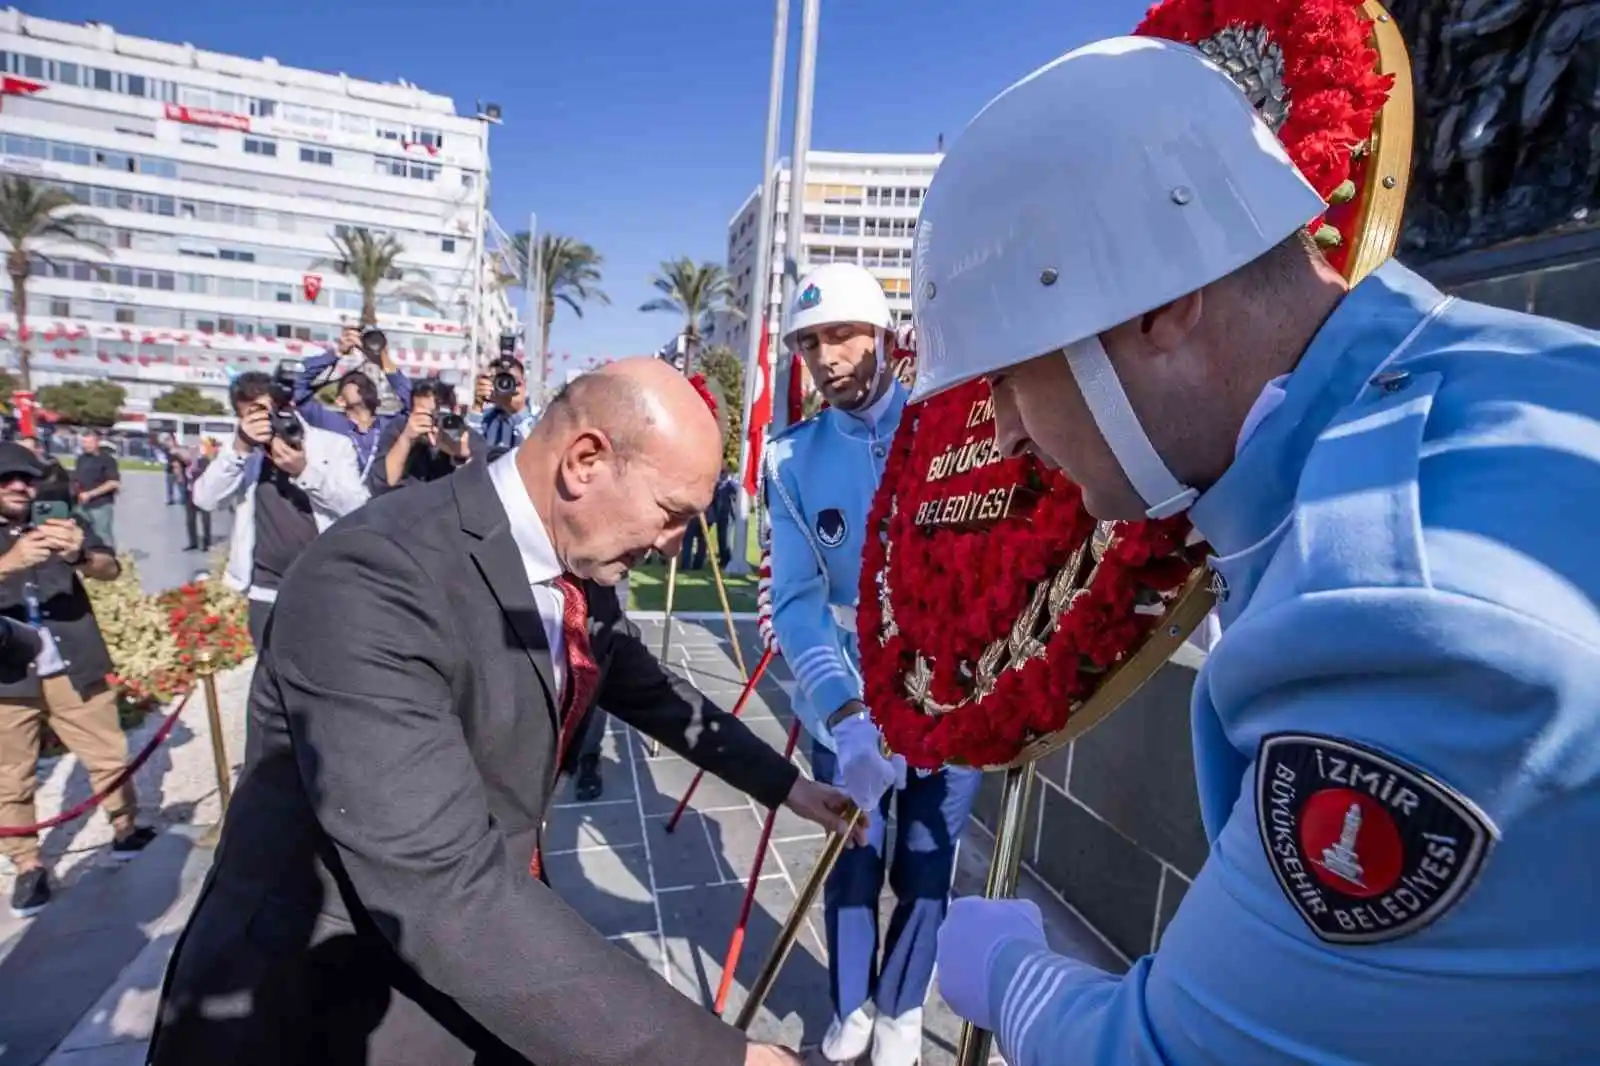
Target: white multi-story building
(219, 183)
(860, 207)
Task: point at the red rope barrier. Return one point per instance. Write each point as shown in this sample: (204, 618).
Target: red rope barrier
(730, 962)
(100, 797)
(738, 709)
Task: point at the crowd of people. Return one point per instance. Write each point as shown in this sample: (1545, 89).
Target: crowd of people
(296, 465)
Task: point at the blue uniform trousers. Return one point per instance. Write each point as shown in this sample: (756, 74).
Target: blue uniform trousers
(931, 814)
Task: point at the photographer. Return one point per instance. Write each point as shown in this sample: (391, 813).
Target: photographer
(291, 481)
(358, 399)
(500, 406)
(430, 444)
(44, 558)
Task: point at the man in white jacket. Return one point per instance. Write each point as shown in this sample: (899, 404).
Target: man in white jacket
(291, 481)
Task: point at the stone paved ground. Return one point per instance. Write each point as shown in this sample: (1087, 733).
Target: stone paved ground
(79, 984)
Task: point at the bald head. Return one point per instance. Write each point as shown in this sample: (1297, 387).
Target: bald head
(622, 461)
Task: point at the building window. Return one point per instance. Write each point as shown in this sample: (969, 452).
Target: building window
(235, 256)
(257, 146)
(447, 244)
(320, 156)
(124, 315)
(60, 309)
(283, 331)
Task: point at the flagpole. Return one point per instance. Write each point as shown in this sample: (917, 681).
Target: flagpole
(794, 248)
(756, 364)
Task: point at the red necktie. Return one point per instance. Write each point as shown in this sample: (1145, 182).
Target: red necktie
(582, 674)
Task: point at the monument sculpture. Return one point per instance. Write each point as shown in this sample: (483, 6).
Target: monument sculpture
(1508, 121)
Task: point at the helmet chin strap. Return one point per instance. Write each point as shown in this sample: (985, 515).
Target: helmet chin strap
(871, 391)
(1162, 493)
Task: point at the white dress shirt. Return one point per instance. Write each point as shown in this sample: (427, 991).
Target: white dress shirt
(538, 559)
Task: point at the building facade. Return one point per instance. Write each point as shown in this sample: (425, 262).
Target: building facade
(218, 184)
(860, 207)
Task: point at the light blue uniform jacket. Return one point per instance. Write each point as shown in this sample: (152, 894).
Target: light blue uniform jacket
(821, 475)
(1410, 547)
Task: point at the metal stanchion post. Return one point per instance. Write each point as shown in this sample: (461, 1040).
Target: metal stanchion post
(1004, 871)
(654, 746)
(722, 594)
(804, 899)
(219, 749)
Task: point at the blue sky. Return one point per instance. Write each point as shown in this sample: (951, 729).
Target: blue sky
(638, 126)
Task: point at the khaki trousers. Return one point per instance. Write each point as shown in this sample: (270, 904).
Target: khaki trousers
(90, 730)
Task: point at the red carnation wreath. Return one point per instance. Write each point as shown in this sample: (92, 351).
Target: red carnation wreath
(992, 604)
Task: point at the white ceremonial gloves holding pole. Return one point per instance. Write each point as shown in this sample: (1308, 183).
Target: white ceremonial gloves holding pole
(974, 930)
(865, 773)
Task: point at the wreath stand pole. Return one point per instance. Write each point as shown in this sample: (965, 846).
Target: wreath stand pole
(804, 900)
(653, 747)
(1005, 869)
(722, 594)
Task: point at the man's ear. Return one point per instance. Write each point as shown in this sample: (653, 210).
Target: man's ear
(582, 460)
(1169, 326)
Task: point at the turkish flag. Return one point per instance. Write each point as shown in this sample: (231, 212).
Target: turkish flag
(14, 86)
(760, 413)
(312, 284)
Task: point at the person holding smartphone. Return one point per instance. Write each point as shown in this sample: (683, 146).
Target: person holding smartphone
(45, 556)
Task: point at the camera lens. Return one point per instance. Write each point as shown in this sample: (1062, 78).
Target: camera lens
(505, 383)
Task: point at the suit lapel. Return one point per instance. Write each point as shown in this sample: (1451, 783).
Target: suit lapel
(500, 563)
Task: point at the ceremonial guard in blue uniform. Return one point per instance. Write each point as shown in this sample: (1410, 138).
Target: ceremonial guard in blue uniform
(1397, 737)
(820, 477)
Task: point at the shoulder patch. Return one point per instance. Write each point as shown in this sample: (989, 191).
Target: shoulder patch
(831, 527)
(1367, 848)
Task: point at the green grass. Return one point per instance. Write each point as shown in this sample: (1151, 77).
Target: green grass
(696, 590)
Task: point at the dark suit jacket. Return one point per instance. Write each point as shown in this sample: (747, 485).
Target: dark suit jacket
(370, 900)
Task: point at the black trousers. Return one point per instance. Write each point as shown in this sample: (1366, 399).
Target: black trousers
(197, 521)
(594, 734)
(258, 614)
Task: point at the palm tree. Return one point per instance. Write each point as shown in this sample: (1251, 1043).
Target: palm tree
(30, 213)
(698, 293)
(568, 271)
(372, 260)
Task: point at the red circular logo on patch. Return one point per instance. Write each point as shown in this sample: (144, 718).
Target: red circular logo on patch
(1351, 842)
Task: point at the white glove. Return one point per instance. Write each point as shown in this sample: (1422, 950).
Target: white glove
(864, 774)
(974, 928)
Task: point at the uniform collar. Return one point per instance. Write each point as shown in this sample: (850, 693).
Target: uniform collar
(527, 528)
(1254, 495)
(883, 413)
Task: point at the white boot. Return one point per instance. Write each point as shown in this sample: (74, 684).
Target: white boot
(897, 1041)
(848, 1039)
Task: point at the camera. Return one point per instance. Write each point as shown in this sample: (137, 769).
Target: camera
(451, 426)
(504, 382)
(285, 425)
(373, 342)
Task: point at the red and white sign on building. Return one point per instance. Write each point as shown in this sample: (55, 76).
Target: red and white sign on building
(200, 116)
(311, 284)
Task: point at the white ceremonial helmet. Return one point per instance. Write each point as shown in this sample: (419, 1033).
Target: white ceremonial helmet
(835, 293)
(1114, 180)
(841, 292)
